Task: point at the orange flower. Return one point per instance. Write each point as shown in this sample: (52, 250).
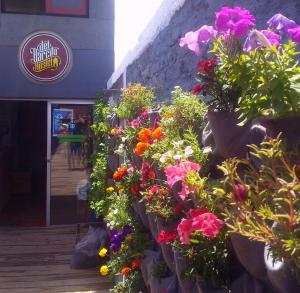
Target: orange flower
(144, 135)
(141, 147)
(118, 175)
(157, 134)
(125, 271)
(135, 264)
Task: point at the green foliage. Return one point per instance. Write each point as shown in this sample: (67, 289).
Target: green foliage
(133, 100)
(133, 283)
(273, 196)
(186, 111)
(268, 80)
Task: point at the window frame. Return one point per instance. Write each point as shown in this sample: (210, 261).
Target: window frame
(3, 10)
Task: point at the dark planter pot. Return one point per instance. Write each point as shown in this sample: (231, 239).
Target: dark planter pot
(281, 275)
(248, 284)
(186, 285)
(136, 161)
(149, 258)
(288, 126)
(159, 173)
(167, 250)
(251, 255)
(113, 162)
(153, 226)
(163, 285)
(139, 208)
(230, 139)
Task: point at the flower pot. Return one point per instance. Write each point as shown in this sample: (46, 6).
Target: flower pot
(186, 284)
(113, 162)
(230, 139)
(148, 259)
(153, 226)
(248, 284)
(280, 274)
(288, 126)
(159, 173)
(167, 250)
(163, 285)
(136, 161)
(250, 254)
(140, 209)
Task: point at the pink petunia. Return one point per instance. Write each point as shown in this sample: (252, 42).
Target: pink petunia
(135, 123)
(208, 224)
(185, 230)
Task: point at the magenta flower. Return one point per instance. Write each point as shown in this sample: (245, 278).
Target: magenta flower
(240, 192)
(263, 38)
(294, 34)
(202, 35)
(280, 23)
(185, 230)
(174, 174)
(208, 224)
(135, 123)
(235, 21)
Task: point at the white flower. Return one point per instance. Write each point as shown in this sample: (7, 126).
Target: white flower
(164, 157)
(115, 211)
(177, 157)
(188, 151)
(207, 149)
(179, 143)
(123, 138)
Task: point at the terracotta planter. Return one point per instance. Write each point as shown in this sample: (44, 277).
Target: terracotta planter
(281, 275)
(230, 139)
(251, 255)
(186, 285)
(140, 209)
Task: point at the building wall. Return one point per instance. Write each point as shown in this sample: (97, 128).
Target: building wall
(92, 43)
(163, 64)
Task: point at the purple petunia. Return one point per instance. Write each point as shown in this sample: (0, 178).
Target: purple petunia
(202, 35)
(263, 38)
(280, 23)
(294, 34)
(126, 230)
(235, 21)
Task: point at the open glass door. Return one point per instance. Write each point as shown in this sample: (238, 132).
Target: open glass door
(70, 146)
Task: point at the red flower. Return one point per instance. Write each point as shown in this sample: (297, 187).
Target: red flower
(178, 208)
(194, 213)
(135, 264)
(171, 236)
(161, 237)
(207, 65)
(166, 236)
(135, 189)
(119, 174)
(240, 192)
(197, 89)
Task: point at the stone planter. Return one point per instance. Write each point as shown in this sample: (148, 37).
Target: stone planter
(186, 285)
(251, 255)
(113, 162)
(148, 259)
(159, 173)
(280, 274)
(139, 208)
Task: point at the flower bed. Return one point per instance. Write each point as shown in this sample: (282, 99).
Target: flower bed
(207, 214)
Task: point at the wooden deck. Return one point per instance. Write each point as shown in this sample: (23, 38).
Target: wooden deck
(36, 260)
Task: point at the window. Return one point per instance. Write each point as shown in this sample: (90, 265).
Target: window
(78, 8)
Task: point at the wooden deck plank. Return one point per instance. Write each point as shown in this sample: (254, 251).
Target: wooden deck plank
(37, 260)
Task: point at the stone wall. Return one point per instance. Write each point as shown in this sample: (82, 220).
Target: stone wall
(163, 64)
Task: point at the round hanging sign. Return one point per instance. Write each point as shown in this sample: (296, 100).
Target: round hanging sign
(45, 57)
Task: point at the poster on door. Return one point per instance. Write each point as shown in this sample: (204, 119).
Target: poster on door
(61, 119)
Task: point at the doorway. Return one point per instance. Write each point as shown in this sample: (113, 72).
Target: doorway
(23, 165)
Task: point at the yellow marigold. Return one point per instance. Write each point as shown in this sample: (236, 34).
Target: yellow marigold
(110, 189)
(113, 131)
(124, 246)
(104, 270)
(144, 135)
(103, 252)
(121, 190)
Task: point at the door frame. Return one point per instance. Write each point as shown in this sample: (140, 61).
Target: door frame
(49, 125)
